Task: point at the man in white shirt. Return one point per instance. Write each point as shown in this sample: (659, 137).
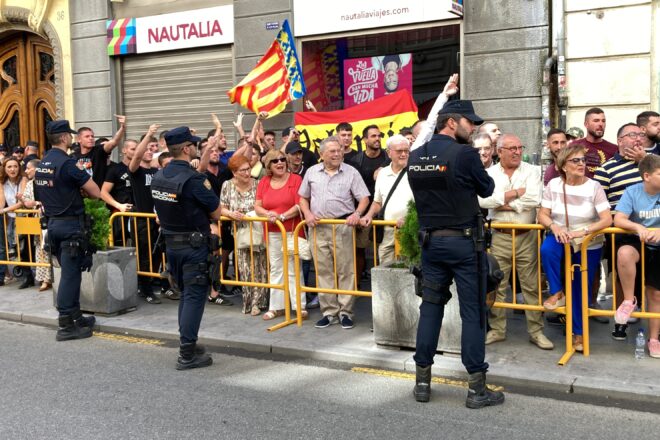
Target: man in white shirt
(398, 149)
(515, 199)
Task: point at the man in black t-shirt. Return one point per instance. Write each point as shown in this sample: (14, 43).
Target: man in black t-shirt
(117, 193)
(141, 173)
(367, 162)
(93, 157)
(344, 132)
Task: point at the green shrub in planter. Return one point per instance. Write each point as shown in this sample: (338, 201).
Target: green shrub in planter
(100, 215)
(409, 239)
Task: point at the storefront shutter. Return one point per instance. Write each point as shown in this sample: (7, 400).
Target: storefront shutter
(179, 88)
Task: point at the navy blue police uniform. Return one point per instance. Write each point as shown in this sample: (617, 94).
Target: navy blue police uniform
(183, 199)
(446, 177)
(57, 184)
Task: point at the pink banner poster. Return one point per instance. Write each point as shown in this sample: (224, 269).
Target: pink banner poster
(366, 79)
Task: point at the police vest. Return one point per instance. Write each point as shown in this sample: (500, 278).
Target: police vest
(440, 200)
(174, 213)
(58, 198)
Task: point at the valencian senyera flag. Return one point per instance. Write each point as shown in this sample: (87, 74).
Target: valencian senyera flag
(391, 113)
(275, 81)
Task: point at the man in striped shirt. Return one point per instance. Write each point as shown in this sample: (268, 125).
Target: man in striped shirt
(621, 171)
(615, 176)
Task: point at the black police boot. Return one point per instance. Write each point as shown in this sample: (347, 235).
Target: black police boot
(479, 395)
(190, 358)
(28, 281)
(83, 321)
(422, 390)
(68, 330)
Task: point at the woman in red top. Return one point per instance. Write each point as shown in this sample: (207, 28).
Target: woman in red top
(277, 198)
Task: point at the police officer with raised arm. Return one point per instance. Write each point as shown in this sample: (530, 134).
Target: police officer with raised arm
(184, 201)
(57, 185)
(446, 176)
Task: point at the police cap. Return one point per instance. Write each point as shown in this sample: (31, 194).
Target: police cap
(59, 126)
(20, 150)
(180, 135)
(463, 108)
(293, 147)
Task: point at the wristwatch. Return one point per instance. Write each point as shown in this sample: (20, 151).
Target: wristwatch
(282, 218)
(586, 230)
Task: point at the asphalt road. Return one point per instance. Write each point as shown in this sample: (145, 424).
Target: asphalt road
(108, 388)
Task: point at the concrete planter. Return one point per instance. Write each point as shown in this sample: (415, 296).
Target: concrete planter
(395, 309)
(110, 287)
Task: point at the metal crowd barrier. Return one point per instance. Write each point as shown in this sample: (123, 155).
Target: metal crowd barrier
(301, 288)
(586, 311)
(568, 277)
(153, 269)
(26, 224)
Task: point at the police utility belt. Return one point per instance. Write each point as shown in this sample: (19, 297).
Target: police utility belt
(195, 240)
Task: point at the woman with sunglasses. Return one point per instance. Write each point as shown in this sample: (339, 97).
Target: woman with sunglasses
(277, 199)
(237, 198)
(573, 206)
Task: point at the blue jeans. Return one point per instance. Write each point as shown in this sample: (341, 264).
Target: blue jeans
(446, 259)
(60, 232)
(194, 285)
(552, 259)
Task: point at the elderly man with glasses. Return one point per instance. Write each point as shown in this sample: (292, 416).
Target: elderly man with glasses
(516, 197)
(394, 199)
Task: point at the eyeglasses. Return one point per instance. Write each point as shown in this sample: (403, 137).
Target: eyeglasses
(400, 152)
(481, 149)
(279, 159)
(577, 160)
(633, 135)
(244, 170)
(513, 149)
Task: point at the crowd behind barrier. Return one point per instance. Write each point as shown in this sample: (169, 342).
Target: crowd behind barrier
(27, 228)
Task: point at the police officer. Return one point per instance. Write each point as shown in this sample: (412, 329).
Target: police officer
(57, 185)
(184, 201)
(445, 176)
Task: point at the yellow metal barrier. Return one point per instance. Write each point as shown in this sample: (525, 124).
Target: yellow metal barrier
(586, 311)
(26, 223)
(133, 217)
(284, 285)
(568, 277)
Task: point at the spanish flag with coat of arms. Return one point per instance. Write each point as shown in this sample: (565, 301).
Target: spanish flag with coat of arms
(275, 81)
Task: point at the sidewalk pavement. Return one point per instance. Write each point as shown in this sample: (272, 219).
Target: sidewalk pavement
(611, 372)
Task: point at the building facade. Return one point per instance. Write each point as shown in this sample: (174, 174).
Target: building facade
(528, 64)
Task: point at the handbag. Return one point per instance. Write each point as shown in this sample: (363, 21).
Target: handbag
(304, 251)
(576, 243)
(380, 230)
(243, 233)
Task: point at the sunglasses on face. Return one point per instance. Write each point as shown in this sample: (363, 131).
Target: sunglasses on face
(279, 159)
(577, 160)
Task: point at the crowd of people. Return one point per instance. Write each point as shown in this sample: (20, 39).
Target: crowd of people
(590, 184)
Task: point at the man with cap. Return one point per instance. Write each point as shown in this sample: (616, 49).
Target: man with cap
(574, 133)
(290, 134)
(3, 152)
(57, 185)
(446, 176)
(18, 153)
(31, 151)
(184, 201)
(294, 155)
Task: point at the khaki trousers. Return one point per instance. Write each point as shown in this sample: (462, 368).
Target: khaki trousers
(527, 273)
(326, 254)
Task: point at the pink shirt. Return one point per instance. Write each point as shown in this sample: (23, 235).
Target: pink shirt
(280, 200)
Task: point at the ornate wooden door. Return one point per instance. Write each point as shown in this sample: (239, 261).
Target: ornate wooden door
(27, 89)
